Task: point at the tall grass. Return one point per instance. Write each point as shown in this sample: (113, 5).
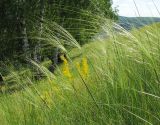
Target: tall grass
(113, 81)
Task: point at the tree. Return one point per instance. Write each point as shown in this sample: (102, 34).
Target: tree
(37, 51)
(20, 17)
(79, 16)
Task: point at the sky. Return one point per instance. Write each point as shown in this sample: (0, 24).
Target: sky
(146, 8)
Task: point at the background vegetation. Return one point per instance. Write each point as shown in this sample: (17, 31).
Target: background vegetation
(22, 22)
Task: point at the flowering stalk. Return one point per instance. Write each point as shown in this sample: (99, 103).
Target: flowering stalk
(85, 68)
(66, 70)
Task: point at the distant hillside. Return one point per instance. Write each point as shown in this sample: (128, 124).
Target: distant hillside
(130, 22)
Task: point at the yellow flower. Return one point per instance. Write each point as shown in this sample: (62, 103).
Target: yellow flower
(85, 68)
(66, 70)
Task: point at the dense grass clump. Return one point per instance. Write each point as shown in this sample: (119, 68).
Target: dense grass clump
(113, 81)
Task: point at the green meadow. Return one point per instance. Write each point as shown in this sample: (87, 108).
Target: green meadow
(113, 80)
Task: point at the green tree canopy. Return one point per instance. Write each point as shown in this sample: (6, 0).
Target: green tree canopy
(19, 19)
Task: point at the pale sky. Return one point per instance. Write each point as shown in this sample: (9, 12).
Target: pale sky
(146, 8)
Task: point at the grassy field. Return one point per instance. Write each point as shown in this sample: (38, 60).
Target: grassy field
(114, 81)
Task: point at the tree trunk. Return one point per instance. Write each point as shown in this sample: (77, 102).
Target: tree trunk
(25, 39)
(22, 29)
(37, 51)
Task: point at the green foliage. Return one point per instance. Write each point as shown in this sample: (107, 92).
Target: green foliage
(22, 20)
(79, 17)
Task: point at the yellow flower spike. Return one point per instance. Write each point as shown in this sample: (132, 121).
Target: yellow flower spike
(85, 69)
(66, 70)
